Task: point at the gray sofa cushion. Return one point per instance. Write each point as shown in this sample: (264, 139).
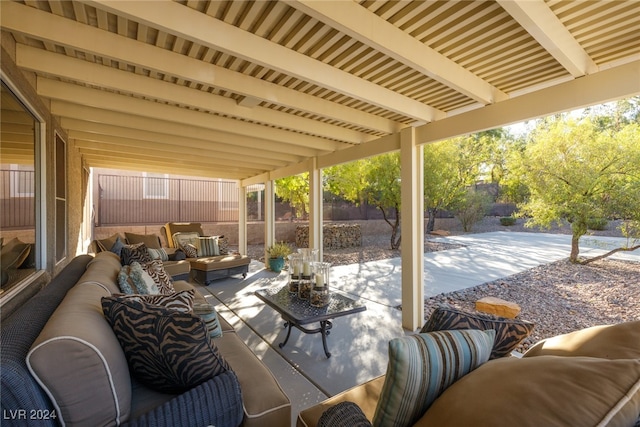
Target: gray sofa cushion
(79, 362)
(18, 331)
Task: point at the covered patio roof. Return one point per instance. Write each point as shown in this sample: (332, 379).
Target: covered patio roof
(258, 90)
(236, 89)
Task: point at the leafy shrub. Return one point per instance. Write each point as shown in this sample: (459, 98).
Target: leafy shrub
(597, 223)
(472, 208)
(507, 220)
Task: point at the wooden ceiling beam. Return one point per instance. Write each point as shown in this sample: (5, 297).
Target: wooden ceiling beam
(94, 120)
(136, 155)
(361, 24)
(200, 28)
(95, 42)
(57, 65)
(139, 107)
(116, 143)
(543, 25)
(99, 161)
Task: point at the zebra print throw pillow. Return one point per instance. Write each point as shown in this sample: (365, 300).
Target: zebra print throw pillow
(223, 245)
(181, 301)
(190, 250)
(156, 270)
(166, 350)
(509, 332)
(134, 253)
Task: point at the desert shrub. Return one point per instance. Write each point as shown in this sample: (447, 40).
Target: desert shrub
(507, 220)
(472, 208)
(597, 223)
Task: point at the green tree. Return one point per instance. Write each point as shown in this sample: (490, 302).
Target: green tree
(295, 190)
(376, 181)
(452, 166)
(349, 181)
(512, 187)
(383, 190)
(576, 171)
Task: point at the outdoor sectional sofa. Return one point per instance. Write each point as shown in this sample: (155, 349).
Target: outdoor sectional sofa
(61, 358)
(203, 269)
(590, 377)
(207, 268)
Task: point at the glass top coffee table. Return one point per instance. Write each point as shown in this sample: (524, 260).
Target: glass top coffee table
(297, 312)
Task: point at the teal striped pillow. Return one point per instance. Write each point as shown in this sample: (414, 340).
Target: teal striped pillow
(422, 366)
(208, 313)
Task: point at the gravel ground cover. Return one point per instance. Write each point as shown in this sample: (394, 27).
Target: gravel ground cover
(559, 297)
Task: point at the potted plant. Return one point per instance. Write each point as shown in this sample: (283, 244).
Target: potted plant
(277, 253)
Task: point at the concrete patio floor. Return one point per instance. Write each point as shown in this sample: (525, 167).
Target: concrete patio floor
(359, 342)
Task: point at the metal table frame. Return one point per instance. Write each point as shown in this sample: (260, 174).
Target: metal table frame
(297, 312)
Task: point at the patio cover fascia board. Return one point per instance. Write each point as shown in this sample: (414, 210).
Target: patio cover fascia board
(611, 84)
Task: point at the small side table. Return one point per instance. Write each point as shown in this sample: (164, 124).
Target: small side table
(297, 312)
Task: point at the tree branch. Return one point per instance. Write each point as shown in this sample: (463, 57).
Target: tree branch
(611, 252)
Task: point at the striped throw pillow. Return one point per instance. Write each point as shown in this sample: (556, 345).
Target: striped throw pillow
(208, 246)
(208, 313)
(160, 254)
(422, 366)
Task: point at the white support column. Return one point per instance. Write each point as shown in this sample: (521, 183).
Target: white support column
(315, 208)
(242, 219)
(412, 215)
(269, 217)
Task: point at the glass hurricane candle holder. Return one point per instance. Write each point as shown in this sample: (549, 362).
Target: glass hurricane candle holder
(295, 271)
(304, 288)
(319, 296)
(309, 256)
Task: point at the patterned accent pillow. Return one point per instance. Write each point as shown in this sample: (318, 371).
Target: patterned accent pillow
(160, 276)
(190, 250)
(166, 350)
(137, 252)
(181, 301)
(422, 366)
(133, 279)
(509, 332)
(208, 246)
(223, 245)
(160, 254)
(182, 238)
(208, 313)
